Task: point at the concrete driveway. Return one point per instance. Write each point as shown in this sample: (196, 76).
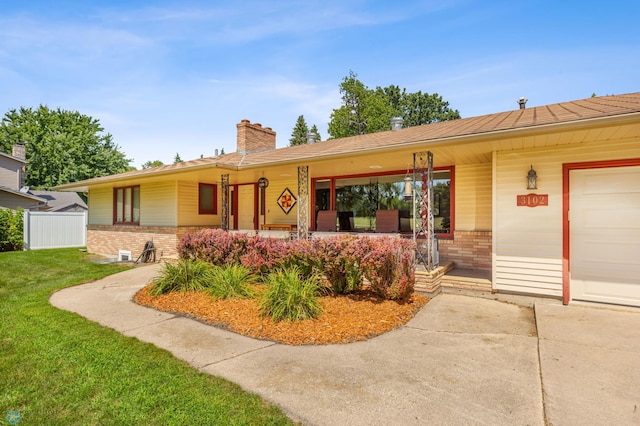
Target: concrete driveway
(461, 360)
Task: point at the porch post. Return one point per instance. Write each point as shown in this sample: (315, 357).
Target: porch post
(224, 211)
(303, 202)
(423, 208)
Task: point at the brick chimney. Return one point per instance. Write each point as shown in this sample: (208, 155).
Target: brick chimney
(19, 151)
(254, 138)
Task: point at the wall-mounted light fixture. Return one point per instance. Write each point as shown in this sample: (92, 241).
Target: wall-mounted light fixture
(531, 179)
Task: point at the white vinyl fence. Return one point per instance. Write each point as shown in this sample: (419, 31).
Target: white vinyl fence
(54, 229)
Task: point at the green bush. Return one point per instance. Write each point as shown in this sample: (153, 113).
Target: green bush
(11, 230)
(231, 281)
(291, 296)
(184, 275)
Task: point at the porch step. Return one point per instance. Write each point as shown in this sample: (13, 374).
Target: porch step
(428, 282)
(449, 279)
(461, 280)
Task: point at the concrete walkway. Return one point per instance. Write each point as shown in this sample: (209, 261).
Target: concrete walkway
(461, 360)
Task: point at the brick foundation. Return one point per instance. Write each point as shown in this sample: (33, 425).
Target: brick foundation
(108, 240)
(468, 249)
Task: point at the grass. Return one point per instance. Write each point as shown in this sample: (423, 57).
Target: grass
(184, 275)
(231, 281)
(291, 297)
(59, 368)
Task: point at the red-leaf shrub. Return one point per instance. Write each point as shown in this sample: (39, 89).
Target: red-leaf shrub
(390, 267)
(262, 255)
(339, 258)
(388, 263)
(213, 245)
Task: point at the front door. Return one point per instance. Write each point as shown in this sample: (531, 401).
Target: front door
(246, 213)
(605, 235)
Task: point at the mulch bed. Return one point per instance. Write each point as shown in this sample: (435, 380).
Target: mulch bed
(345, 319)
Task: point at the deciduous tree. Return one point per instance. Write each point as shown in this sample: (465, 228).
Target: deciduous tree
(365, 110)
(154, 163)
(61, 146)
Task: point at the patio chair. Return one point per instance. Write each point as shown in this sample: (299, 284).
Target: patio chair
(327, 221)
(387, 221)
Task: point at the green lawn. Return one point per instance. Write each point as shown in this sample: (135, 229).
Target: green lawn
(59, 368)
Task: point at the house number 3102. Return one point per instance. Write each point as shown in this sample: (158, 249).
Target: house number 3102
(533, 200)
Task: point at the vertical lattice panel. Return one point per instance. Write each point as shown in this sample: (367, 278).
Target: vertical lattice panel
(303, 202)
(424, 230)
(224, 217)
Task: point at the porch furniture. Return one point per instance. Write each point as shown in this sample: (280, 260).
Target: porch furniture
(279, 227)
(327, 220)
(387, 220)
(345, 220)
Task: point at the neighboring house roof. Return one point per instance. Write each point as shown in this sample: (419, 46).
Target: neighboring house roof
(61, 201)
(30, 201)
(560, 114)
(11, 157)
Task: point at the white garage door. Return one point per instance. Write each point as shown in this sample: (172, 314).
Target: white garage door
(605, 235)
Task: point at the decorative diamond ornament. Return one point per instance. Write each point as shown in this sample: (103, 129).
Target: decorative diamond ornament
(286, 201)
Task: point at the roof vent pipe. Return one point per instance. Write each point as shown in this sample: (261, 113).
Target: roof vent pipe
(311, 138)
(522, 102)
(396, 123)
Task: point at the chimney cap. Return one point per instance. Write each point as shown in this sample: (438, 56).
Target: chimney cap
(397, 123)
(311, 138)
(522, 102)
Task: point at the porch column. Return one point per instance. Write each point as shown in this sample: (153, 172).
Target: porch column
(224, 211)
(303, 202)
(426, 252)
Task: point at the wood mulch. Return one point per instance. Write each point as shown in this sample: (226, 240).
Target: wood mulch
(345, 319)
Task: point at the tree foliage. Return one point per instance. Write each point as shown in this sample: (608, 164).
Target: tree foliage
(365, 110)
(299, 134)
(154, 163)
(11, 229)
(314, 130)
(300, 131)
(61, 146)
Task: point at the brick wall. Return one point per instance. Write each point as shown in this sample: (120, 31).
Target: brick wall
(254, 137)
(468, 249)
(108, 240)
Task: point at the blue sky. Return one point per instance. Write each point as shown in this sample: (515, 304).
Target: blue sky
(167, 77)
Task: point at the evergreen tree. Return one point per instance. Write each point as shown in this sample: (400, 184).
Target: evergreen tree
(299, 134)
(315, 131)
(177, 159)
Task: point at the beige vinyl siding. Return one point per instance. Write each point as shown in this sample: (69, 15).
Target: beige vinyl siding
(473, 197)
(274, 213)
(528, 241)
(13, 201)
(9, 173)
(100, 204)
(188, 206)
(158, 204)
